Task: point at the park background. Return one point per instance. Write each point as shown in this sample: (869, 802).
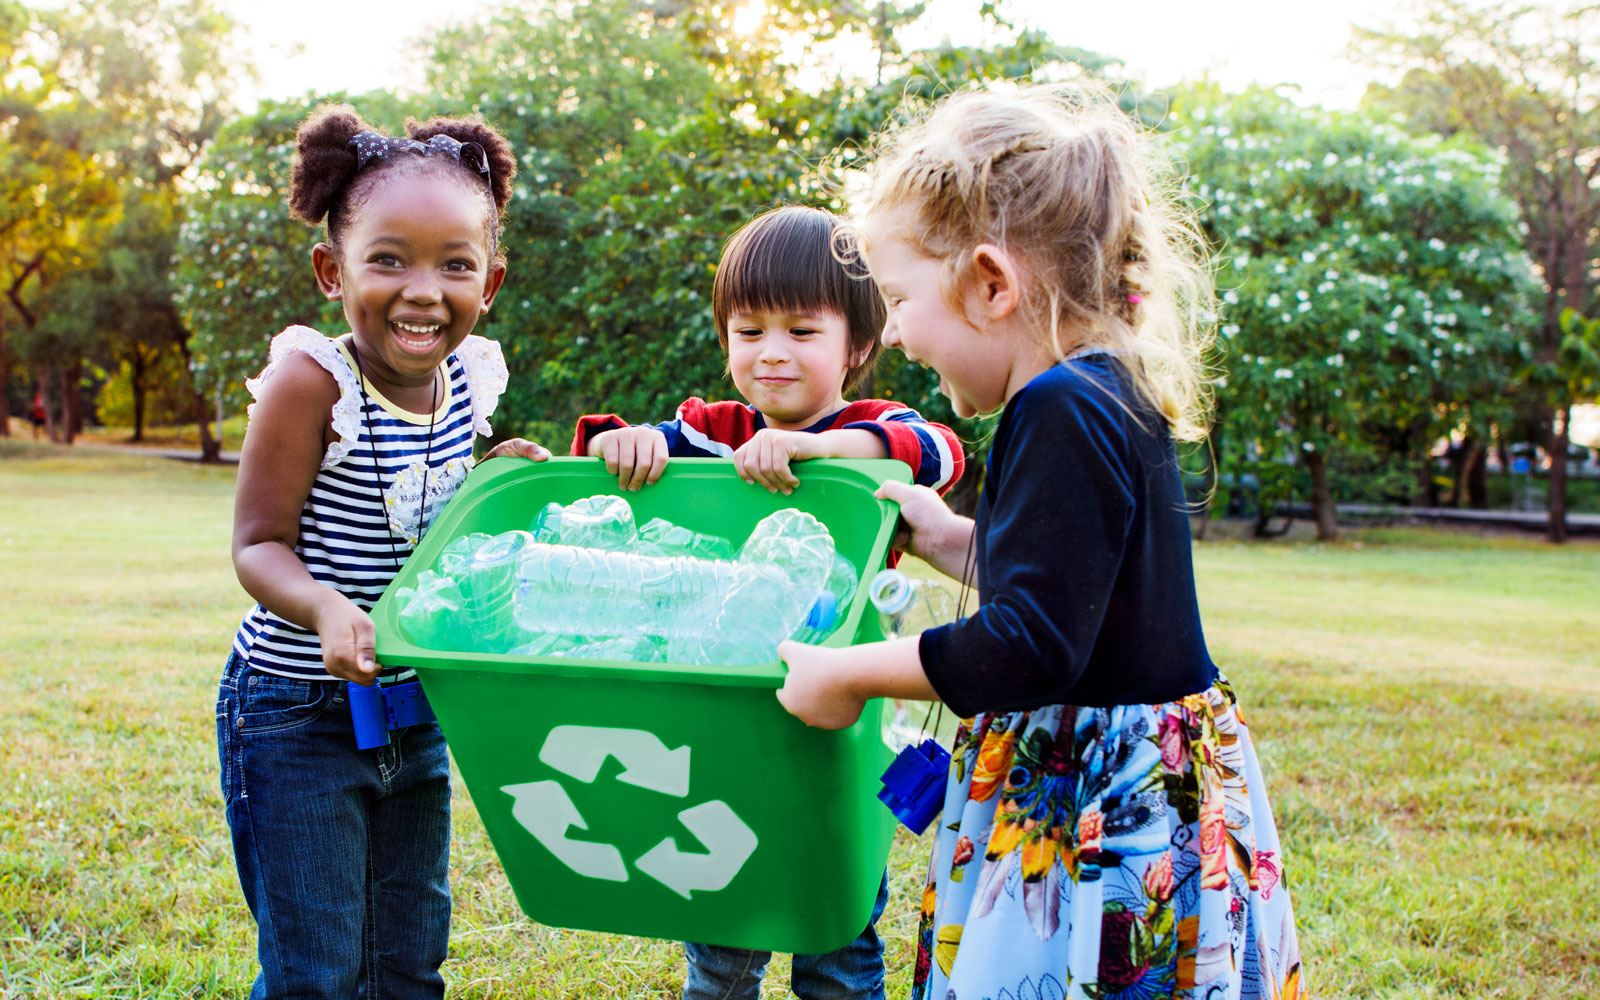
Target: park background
(1406, 286)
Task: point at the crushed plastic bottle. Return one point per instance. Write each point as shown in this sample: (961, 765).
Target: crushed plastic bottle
(907, 606)
(585, 582)
(598, 522)
(430, 612)
(661, 537)
(488, 585)
(708, 610)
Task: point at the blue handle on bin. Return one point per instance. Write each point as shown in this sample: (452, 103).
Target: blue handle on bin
(913, 785)
(375, 710)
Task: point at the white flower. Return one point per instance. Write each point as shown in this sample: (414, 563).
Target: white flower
(1353, 336)
(1273, 301)
(1283, 373)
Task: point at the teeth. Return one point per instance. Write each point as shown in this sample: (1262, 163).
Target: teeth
(429, 329)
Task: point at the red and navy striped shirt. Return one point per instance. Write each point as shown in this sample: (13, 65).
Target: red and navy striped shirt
(716, 430)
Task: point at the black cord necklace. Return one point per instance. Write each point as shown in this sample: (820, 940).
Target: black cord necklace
(372, 450)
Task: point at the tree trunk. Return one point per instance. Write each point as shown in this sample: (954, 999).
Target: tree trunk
(49, 404)
(1557, 531)
(210, 447)
(5, 383)
(137, 369)
(71, 404)
(1477, 478)
(1322, 511)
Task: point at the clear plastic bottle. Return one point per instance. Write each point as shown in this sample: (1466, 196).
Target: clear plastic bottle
(602, 521)
(907, 606)
(488, 585)
(661, 537)
(709, 610)
(840, 588)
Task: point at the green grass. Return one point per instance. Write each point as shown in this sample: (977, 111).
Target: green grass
(1425, 703)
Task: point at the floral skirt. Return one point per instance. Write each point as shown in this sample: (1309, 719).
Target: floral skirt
(1101, 853)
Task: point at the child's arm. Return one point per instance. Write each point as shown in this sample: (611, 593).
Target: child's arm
(764, 459)
(869, 428)
(827, 687)
(282, 453)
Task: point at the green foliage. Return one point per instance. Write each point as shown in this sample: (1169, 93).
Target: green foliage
(1374, 290)
(639, 155)
(242, 266)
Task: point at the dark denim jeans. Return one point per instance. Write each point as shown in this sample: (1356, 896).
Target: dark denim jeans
(854, 972)
(343, 854)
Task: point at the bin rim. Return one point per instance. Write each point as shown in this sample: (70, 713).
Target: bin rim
(394, 649)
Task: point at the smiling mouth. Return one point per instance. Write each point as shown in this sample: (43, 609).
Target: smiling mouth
(422, 335)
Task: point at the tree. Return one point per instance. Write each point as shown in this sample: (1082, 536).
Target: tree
(115, 100)
(55, 195)
(1373, 284)
(1524, 79)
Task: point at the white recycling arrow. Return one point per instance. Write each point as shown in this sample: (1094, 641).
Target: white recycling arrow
(579, 751)
(720, 829)
(545, 810)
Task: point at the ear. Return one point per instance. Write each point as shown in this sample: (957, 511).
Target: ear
(858, 358)
(491, 286)
(996, 282)
(325, 265)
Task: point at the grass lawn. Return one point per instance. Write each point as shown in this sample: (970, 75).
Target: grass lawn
(1426, 704)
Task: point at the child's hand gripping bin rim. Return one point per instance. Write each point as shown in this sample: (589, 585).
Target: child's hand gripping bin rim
(819, 837)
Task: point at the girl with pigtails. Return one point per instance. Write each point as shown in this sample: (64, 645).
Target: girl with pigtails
(1106, 831)
(355, 442)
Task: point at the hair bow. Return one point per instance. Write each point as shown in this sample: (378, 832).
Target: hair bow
(370, 147)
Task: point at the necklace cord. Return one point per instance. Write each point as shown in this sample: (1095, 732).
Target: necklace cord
(372, 451)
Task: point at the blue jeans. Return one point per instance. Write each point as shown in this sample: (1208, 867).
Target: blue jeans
(343, 854)
(854, 972)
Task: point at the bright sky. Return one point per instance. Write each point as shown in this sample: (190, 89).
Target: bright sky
(358, 45)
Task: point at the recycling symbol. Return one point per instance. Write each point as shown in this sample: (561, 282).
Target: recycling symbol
(545, 811)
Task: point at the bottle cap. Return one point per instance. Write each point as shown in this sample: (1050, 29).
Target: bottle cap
(890, 591)
(824, 612)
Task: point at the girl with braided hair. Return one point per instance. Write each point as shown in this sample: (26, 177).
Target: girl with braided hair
(354, 444)
(1106, 832)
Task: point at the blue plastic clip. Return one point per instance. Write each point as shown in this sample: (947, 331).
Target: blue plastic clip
(375, 710)
(913, 786)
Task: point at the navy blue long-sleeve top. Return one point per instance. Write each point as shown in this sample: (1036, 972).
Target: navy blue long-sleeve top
(1085, 578)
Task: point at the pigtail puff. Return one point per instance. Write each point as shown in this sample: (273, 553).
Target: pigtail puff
(324, 163)
(472, 128)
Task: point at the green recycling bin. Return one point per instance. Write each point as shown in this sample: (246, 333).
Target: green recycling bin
(667, 800)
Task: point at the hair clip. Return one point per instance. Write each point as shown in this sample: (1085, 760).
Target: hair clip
(1136, 299)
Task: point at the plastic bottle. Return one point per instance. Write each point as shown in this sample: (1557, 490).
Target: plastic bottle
(709, 610)
(602, 521)
(839, 589)
(488, 584)
(661, 537)
(907, 606)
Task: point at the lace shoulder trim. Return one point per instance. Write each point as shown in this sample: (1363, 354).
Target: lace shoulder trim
(325, 351)
(485, 368)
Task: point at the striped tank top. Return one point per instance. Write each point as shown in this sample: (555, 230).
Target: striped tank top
(362, 518)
